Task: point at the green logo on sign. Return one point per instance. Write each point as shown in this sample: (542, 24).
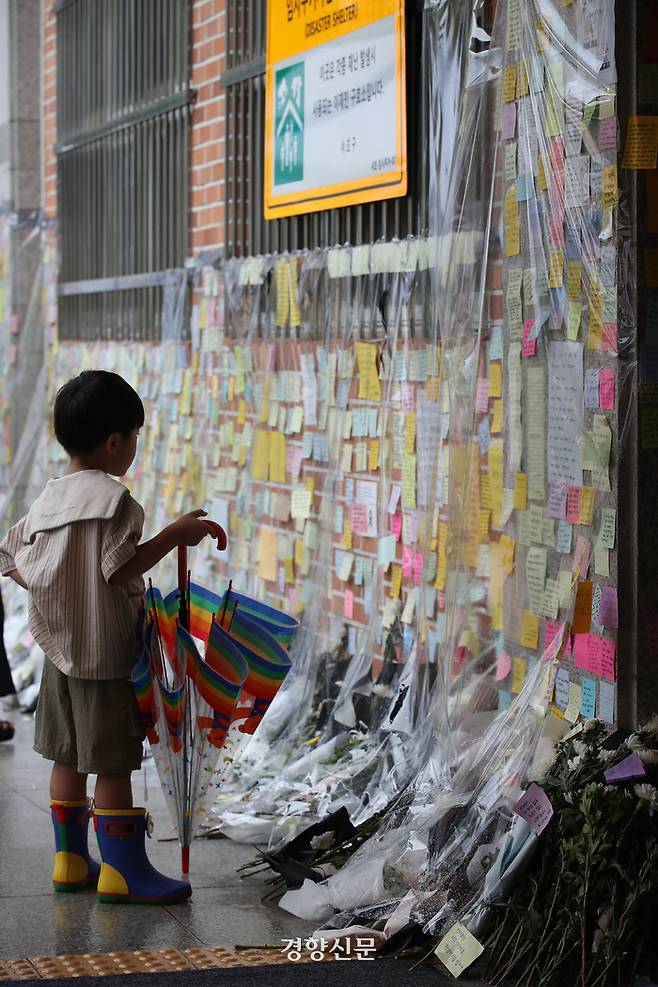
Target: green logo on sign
(289, 124)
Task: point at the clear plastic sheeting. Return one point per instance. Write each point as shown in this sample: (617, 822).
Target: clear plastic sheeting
(527, 324)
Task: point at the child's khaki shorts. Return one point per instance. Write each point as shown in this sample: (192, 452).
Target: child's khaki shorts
(93, 724)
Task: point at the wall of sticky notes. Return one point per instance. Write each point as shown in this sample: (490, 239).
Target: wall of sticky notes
(413, 445)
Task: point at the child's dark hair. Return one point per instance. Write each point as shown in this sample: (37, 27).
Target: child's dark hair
(91, 407)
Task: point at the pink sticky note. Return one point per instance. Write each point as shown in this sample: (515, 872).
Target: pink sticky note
(581, 652)
(293, 459)
(557, 502)
(529, 345)
(503, 666)
(482, 395)
(348, 604)
(359, 519)
(441, 600)
(418, 568)
(607, 389)
(414, 520)
(408, 395)
(607, 134)
(608, 609)
(407, 561)
(573, 504)
(508, 121)
(609, 337)
(551, 631)
(535, 807)
(630, 769)
(396, 525)
(605, 650)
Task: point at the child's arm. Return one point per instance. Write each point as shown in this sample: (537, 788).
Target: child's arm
(16, 576)
(187, 530)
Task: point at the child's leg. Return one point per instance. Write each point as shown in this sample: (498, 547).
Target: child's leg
(67, 784)
(113, 791)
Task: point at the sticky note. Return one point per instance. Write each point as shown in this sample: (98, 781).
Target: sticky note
(608, 608)
(573, 504)
(267, 554)
(586, 505)
(458, 949)
(535, 807)
(530, 630)
(503, 666)
(572, 712)
(641, 148)
(396, 581)
(588, 698)
(509, 84)
(607, 378)
(521, 491)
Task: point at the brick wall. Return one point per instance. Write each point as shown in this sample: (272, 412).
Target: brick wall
(49, 110)
(207, 137)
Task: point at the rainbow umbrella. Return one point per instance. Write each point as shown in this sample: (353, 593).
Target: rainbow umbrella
(195, 706)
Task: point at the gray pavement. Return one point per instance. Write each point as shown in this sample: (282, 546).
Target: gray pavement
(223, 911)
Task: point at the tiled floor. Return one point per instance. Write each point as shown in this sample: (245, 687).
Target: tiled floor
(224, 911)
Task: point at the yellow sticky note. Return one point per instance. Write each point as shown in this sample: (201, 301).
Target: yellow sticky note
(519, 666)
(288, 572)
(347, 534)
(267, 554)
(242, 412)
(521, 491)
(530, 631)
(556, 272)
(610, 194)
(495, 380)
(485, 493)
(409, 482)
(299, 551)
(572, 712)
(512, 240)
(641, 149)
(277, 472)
(458, 949)
(396, 581)
(373, 455)
(497, 417)
(573, 320)
(573, 280)
(484, 526)
(369, 386)
(542, 180)
(409, 433)
(300, 503)
(509, 84)
(521, 80)
(586, 505)
(260, 463)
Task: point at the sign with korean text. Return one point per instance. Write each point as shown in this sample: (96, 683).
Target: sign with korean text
(335, 121)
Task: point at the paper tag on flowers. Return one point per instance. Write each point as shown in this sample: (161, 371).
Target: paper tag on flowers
(458, 949)
(535, 807)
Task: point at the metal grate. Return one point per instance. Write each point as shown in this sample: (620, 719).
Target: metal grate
(247, 232)
(122, 126)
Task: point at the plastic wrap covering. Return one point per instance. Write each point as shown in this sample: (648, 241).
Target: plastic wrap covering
(526, 302)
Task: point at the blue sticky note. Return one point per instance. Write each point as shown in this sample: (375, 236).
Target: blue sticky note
(504, 700)
(588, 699)
(484, 435)
(408, 637)
(564, 536)
(525, 187)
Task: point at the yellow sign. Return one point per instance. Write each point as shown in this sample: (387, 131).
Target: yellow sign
(335, 119)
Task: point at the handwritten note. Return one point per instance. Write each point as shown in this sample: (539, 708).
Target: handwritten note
(565, 412)
(458, 949)
(535, 807)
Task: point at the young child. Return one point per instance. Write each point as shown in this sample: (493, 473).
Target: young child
(78, 553)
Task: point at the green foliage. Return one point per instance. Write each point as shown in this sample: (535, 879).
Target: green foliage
(585, 916)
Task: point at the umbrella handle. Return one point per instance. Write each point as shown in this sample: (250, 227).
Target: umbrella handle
(185, 859)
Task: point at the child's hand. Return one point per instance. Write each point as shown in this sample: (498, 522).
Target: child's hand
(190, 529)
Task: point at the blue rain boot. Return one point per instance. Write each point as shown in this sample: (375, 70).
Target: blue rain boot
(74, 869)
(126, 875)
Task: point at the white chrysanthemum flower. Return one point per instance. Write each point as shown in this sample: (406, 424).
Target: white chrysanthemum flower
(580, 747)
(574, 762)
(634, 743)
(606, 756)
(589, 725)
(652, 725)
(647, 793)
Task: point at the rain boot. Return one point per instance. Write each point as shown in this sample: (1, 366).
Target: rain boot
(126, 874)
(74, 869)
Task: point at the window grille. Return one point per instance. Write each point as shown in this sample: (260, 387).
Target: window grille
(122, 129)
